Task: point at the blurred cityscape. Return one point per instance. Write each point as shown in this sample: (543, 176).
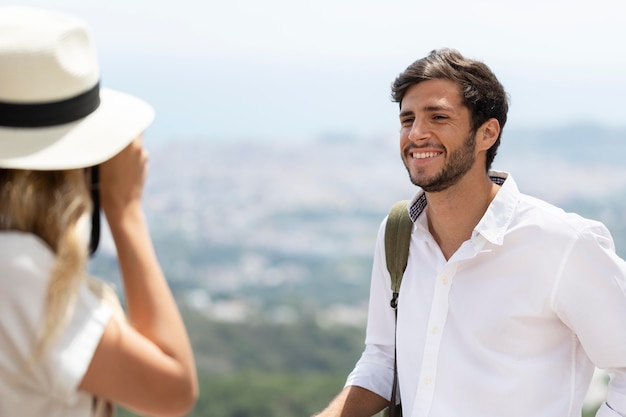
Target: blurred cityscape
(277, 230)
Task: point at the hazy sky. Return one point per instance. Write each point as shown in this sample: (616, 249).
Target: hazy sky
(289, 69)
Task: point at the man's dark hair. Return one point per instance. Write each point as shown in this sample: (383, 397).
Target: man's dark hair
(480, 90)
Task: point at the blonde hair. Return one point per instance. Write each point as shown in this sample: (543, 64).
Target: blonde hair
(49, 204)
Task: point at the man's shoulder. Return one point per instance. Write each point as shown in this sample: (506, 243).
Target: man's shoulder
(554, 218)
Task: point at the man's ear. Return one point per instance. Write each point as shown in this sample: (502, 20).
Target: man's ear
(487, 134)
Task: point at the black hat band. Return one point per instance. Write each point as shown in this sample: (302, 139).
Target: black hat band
(52, 113)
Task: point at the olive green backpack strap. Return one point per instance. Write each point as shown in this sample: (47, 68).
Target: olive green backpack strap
(397, 239)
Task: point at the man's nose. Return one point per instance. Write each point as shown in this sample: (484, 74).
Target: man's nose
(419, 131)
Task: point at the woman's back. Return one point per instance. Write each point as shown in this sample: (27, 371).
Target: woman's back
(47, 386)
(62, 343)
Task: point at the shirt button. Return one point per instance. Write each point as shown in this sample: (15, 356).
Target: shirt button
(445, 280)
(428, 380)
(434, 330)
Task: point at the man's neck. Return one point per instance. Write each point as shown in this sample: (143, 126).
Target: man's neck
(454, 213)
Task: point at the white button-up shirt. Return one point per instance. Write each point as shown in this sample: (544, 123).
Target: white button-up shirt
(511, 325)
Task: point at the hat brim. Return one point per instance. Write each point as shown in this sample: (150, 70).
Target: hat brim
(118, 120)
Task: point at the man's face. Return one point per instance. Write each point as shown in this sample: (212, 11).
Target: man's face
(436, 141)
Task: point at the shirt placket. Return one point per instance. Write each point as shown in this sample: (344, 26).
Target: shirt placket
(436, 323)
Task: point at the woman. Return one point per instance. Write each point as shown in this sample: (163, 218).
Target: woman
(66, 347)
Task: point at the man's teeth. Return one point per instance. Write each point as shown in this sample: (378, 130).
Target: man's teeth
(422, 155)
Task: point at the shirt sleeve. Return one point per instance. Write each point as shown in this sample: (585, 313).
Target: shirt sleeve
(590, 298)
(70, 357)
(374, 370)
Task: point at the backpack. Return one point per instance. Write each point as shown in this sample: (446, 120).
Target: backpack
(397, 241)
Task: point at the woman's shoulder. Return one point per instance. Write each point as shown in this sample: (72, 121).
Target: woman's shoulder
(17, 247)
(25, 261)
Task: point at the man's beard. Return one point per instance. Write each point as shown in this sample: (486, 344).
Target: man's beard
(459, 163)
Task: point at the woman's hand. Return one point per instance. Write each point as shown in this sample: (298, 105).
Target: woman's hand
(122, 179)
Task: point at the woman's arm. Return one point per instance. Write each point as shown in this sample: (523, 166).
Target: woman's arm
(146, 365)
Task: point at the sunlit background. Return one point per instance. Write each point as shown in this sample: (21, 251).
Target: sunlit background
(274, 159)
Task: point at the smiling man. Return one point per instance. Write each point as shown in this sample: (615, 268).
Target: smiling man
(507, 303)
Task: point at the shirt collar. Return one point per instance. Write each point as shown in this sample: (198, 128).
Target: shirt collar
(494, 223)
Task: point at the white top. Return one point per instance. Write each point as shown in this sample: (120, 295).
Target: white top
(511, 325)
(50, 388)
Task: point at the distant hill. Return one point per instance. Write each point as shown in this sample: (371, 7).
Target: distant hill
(584, 143)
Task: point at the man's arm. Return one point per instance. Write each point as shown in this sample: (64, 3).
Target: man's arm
(374, 369)
(595, 277)
(354, 401)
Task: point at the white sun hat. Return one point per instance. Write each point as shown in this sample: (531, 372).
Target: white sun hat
(53, 113)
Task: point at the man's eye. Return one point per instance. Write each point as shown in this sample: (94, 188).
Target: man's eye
(440, 117)
(406, 122)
